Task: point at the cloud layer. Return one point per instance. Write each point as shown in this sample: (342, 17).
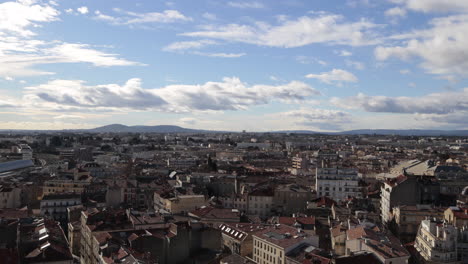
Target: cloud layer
(303, 31)
(230, 94)
(442, 48)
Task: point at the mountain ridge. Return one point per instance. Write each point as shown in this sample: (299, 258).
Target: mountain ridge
(119, 128)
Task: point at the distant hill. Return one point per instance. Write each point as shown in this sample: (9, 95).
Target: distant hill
(118, 128)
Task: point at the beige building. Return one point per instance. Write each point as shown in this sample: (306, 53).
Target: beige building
(81, 180)
(408, 218)
(178, 204)
(272, 244)
(456, 216)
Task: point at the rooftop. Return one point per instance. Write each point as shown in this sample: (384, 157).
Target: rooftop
(282, 235)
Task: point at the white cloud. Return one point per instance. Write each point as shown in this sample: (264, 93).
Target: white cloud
(71, 52)
(106, 18)
(68, 117)
(355, 64)
(209, 16)
(308, 60)
(134, 18)
(396, 12)
(295, 33)
(17, 17)
(435, 5)
(344, 53)
(69, 11)
(57, 125)
(246, 4)
(335, 75)
(20, 53)
(219, 54)
(22, 62)
(185, 45)
(318, 118)
(435, 103)
(230, 94)
(188, 121)
(405, 71)
(65, 94)
(82, 10)
(442, 48)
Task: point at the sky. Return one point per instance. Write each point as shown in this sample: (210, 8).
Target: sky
(252, 65)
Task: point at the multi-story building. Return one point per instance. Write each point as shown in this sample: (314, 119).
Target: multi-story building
(387, 248)
(397, 191)
(182, 163)
(25, 150)
(338, 183)
(54, 206)
(237, 238)
(439, 242)
(291, 199)
(42, 241)
(110, 236)
(300, 165)
(10, 196)
(272, 244)
(408, 218)
(178, 203)
(238, 202)
(66, 185)
(260, 202)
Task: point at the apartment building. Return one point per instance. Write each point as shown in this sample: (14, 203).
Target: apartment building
(338, 183)
(178, 203)
(438, 242)
(54, 206)
(407, 219)
(261, 202)
(272, 244)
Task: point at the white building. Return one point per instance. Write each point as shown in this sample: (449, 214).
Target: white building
(54, 206)
(440, 242)
(338, 183)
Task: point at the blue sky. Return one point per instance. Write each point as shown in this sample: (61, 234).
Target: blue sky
(234, 65)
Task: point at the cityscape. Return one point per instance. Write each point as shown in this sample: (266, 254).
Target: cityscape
(233, 132)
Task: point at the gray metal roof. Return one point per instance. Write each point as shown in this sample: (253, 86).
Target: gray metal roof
(15, 165)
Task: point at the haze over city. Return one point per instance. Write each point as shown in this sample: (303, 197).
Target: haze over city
(234, 65)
